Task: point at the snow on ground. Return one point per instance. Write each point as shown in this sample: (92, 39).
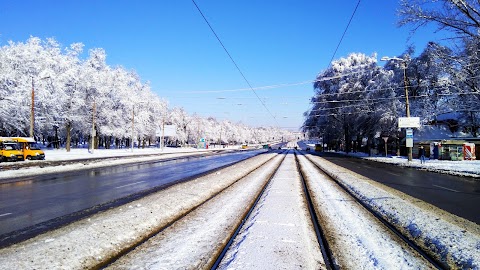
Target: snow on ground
(454, 239)
(469, 168)
(89, 242)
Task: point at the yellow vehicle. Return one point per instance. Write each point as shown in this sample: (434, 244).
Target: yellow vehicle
(9, 150)
(29, 148)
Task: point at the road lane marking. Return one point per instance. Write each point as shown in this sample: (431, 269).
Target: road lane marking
(446, 188)
(131, 184)
(6, 214)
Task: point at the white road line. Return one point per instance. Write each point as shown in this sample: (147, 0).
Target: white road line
(446, 188)
(130, 184)
(6, 214)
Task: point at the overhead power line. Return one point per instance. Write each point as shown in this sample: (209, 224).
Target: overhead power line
(233, 61)
(344, 32)
(273, 86)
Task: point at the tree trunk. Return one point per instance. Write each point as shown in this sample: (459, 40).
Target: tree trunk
(69, 136)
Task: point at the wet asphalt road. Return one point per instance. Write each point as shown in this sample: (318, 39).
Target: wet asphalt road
(455, 194)
(34, 200)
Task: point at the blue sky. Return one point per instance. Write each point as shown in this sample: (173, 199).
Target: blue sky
(168, 44)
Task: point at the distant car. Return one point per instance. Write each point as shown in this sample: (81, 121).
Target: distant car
(174, 146)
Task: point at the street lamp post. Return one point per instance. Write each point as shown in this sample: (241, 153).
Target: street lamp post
(407, 105)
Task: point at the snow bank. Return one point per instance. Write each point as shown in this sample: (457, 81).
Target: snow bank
(453, 240)
(467, 168)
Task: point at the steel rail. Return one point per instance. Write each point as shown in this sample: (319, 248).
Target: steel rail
(322, 240)
(426, 255)
(229, 243)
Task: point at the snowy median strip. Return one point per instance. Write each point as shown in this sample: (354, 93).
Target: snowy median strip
(279, 233)
(453, 240)
(193, 241)
(91, 242)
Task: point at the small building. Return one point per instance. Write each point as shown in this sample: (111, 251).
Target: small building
(450, 149)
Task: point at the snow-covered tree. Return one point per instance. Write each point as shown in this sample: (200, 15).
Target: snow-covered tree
(352, 97)
(74, 96)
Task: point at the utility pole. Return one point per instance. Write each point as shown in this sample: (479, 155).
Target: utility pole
(163, 133)
(407, 104)
(32, 108)
(32, 111)
(133, 126)
(93, 127)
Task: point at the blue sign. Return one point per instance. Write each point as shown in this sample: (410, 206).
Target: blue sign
(409, 133)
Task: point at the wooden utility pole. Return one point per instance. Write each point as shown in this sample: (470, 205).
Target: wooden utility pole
(93, 126)
(133, 126)
(32, 111)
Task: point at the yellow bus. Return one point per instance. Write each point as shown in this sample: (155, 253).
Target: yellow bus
(29, 148)
(10, 150)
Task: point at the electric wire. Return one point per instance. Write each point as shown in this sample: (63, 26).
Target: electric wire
(233, 61)
(344, 32)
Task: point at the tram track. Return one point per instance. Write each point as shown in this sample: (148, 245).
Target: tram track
(303, 236)
(335, 255)
(219, 257)
(321, 238)
(430, 258)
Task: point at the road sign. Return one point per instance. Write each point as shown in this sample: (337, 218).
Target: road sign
(409, 122)
(409, 133)
(169, 131)
(409, 142)
(409, 137)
